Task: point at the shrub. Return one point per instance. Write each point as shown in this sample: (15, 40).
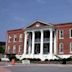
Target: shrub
(46, 59)
(12, 56)
(2, 50)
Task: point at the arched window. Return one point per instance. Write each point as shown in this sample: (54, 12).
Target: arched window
(20, 49)
(61, 34)
(20, 37)
(70, 33)
(61, 48)
(70, 47)
(14, 49)
(9, 39)
(15, 38)
(8, 50)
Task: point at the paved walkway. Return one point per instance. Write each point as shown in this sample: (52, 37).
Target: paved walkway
(6, 64)
(18, 64)
(2, 69)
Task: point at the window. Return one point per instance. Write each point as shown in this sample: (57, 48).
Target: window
(9, 39)
(37, 36)
(61, 34)
(46, 35)
(20, 37)
(20, 48)
(46, 48)
(37, 49)
(70, 47)
(61, 48)
(8, 49)
(15, 38)
(70, 33)
(14, 49)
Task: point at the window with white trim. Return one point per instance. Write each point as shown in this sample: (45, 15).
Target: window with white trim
(9, 39)
(61, 48)
(14, 49)
(8, 50)
(70, 33)
(15, 38)
(70, 47)
(20, 37)
(61, 34)
(20, 48)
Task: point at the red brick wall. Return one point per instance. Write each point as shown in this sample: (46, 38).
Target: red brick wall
(17, 43)
(66, 41)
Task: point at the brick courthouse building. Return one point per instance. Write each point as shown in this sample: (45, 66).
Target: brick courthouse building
(41, 40)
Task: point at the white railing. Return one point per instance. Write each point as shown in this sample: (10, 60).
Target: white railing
(46, 39)
(37, 40)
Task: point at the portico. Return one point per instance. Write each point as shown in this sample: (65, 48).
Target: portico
(38, 43)
(41, 40)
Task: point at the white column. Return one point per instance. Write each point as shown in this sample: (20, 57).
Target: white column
(41, 49)
(51, 41)
(33, 39)
(29, 48)
(25, 43)
(55, 42)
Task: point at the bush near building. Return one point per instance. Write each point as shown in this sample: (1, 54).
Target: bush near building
(2, 50)
(55, 61)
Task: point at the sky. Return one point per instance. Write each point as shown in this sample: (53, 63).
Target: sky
(16, 14)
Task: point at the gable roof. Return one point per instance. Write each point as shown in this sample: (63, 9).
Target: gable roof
(39, 24)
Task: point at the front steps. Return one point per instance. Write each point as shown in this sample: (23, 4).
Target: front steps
(39, 56)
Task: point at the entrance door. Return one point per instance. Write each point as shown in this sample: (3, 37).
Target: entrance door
(37, 49)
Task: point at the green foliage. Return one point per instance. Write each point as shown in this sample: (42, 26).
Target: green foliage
(12, 56)
(2, 50)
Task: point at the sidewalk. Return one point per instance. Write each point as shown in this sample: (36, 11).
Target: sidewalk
(54, 65)
(6, 64)
(4, 70)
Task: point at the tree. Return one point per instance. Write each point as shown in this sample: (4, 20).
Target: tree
(2, 50)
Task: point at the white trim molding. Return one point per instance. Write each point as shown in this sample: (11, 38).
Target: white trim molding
(61, 48)
(70, 47)
(70, 33)
(61, 34)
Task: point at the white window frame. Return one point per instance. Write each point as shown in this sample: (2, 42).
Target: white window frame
(20, 47)
(14, 49)
(20, 37)
(8, 49)
(70, 47)
(60, 34)
(15, 36)
(70, 33)
(9, 39)
(61, 46)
